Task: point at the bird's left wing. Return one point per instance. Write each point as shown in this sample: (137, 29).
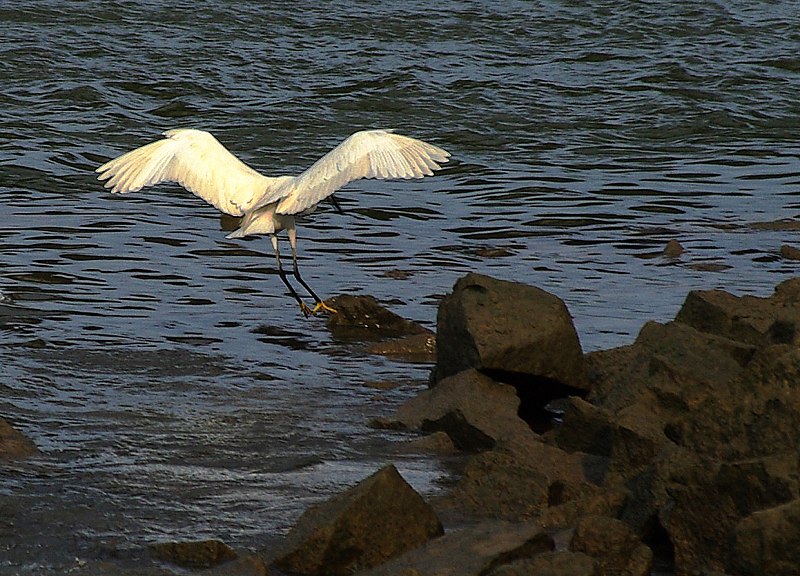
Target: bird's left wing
(367, 154)
(199, 163)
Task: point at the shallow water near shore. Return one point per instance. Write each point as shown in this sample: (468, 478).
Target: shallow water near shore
(175, 390)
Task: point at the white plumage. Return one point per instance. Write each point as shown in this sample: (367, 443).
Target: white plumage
(199, 163)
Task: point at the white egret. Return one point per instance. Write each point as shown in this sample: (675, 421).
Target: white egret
(199, 163)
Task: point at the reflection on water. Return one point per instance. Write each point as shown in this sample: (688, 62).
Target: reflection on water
(173, 386)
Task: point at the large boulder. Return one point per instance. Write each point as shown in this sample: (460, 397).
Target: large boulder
(472, 551)
(14, 444)
(508, 328)
(365, 526)
(670, 363)
(474, 410)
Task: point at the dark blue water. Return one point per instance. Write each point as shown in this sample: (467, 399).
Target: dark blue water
(172, 385)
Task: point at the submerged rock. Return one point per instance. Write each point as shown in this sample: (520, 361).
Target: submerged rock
(379, 518)
(199, 554)
(14, 444)
(673, 249)
(415, 348)
(508, 328)
(790, 252)
(364, 318)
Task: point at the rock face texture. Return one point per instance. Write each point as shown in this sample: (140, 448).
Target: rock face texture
(379, 518)
(686, 442)
(474, 410)
(472, 551)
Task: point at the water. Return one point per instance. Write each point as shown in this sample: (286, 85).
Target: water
(174, 388)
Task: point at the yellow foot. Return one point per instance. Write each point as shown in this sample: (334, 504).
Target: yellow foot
(325, 307)
(306, 310)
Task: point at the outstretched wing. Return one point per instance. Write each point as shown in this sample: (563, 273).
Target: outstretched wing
(367, 154)
(199, 163)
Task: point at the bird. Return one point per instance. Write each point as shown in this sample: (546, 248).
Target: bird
(196, 160)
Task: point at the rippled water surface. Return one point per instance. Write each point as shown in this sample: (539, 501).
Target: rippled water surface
(172, 385)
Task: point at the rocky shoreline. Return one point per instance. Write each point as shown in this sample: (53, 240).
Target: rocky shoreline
(679, 450)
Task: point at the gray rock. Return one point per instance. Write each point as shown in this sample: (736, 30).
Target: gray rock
(379, 518)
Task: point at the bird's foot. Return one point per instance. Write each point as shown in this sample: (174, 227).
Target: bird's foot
(322, 306)
(306, 310)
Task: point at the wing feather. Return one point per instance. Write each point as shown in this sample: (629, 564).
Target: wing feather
(199, 163)
(367, 154)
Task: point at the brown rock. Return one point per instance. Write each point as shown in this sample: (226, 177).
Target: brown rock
(363, 318)
(709, 499)
(518, 480)
(666, 361)
(673, 249)
(604, 502)
(509, 328)
(630, 439)
(783, 224)
(438, 442)
(790, 252)
(748, 319)
(251, 565)
(473, 551)
(768, 542)
(617, 550)
(415, 348)
(199, 554)
(14, 444)
(564, 563)
(474, 410)
(377, 519)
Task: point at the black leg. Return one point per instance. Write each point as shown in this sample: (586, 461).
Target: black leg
(296, 270)
(336, 204)
(305, 309)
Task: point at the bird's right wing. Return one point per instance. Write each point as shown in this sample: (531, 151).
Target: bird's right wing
(199, 163)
